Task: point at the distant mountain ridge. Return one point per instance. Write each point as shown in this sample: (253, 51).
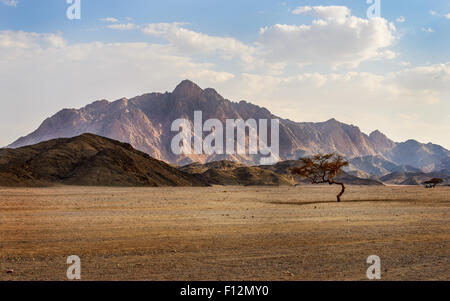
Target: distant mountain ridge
(233, 173)
(411, 178)
(87, 160)
(377, 166)
(91, 160)
(145, 121)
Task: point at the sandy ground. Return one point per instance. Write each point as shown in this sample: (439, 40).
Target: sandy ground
(225, 233)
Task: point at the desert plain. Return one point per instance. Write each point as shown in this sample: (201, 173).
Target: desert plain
(225, 233)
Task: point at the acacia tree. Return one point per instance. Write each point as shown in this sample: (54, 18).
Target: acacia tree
(322, 168)
(433, 182)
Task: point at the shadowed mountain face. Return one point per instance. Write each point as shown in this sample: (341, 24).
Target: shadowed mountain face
(145, 122)
(428, 157)
(87, 160)
(444, 165)
(411, 178)
(232, 173)
(377, 166)
(91, 160)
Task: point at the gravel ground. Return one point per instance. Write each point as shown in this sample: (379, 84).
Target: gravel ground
(225, 233)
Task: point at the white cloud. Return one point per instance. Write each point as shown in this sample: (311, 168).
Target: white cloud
(435, 13)
(109, 20)
(16, 44)
(352, 39)
(338, 13)
(426, 78)
(191, 42)
(386, 55)
(368, 100)
(427, 29)
(411, 86)
(36, 48)
(401, 19)
(335, 38)
(301, 9)
(42, 73)
(10, 2)
(405, 64)
(335, 13)
(128, 26)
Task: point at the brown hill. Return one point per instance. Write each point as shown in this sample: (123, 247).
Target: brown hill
(87, 160)
(200, 168)
(232, 173)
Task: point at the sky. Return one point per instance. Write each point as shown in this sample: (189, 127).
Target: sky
(302, 60)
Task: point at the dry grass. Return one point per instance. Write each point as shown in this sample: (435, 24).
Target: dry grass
(225, 233)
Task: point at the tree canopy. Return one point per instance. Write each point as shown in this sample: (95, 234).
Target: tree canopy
(322, 168)
(433, 182)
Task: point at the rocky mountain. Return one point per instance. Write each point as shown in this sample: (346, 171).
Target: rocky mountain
(383, 143)
(199, 168)
(411, 178)
(87, 160)
(376, 166)
(145, 122)
(232, 173)
(444, 166)
(424, 156)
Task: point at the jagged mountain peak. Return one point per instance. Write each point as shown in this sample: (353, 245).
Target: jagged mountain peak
(412, 142)
(210, 93)
(381, 142)
(187, 88)
(100, 102)
(377, 133)
(332, 120)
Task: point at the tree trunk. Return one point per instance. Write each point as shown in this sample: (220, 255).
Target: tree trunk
(342, 190)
